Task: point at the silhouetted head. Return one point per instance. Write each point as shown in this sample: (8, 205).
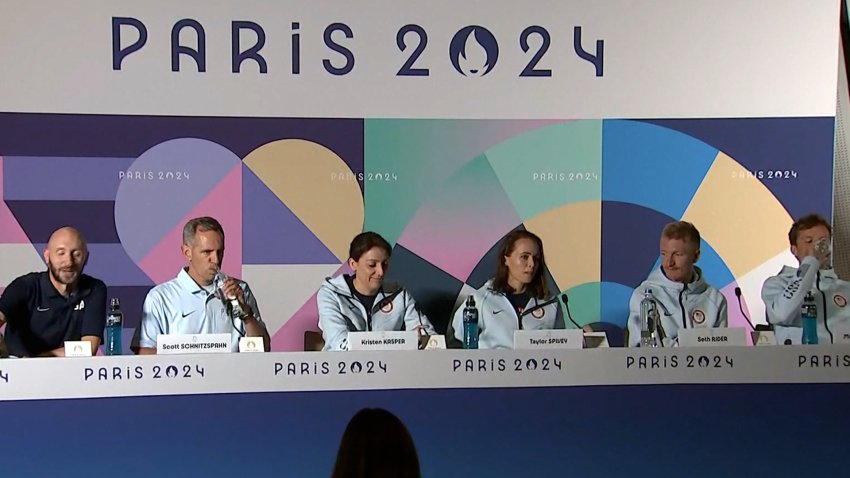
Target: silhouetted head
(376, 445)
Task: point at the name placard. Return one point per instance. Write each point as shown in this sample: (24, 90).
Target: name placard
(171, 344)
(789, 335)
(548, 339)
(251, 345)
(763, 337)
(840, 334)
(434, 342)
(77, 348)
(721, 336)
(593, 340)
(383, 340)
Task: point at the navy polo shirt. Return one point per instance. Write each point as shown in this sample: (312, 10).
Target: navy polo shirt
(40, 319)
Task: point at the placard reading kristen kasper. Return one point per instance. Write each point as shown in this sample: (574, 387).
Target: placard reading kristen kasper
(549, 339)
(385, 340)
(193, 344)
(720, 336)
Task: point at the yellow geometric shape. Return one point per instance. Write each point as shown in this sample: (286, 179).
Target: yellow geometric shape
(316, 185)
(741, 219)
(573, 256)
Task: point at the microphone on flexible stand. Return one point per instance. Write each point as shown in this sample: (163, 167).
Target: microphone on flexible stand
(756, 329)
(741, 308)
(566, 301)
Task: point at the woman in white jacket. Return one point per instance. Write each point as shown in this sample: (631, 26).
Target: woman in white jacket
(362, 301)
(516, 298)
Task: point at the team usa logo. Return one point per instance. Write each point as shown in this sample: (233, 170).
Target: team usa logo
(387, 308)
(698, 316)
(538, 313)
(839, 300)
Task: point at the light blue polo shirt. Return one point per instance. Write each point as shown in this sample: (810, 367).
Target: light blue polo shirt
(181, 306)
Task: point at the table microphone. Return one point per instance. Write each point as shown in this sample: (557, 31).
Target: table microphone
(757, 328)
(566, 301)
(741, 307)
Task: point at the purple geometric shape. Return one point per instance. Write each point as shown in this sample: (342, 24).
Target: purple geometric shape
(148, 209)
(111, 264)
(630, 235)
(131, 298)
(62, 178)
(272, 234)
(39, 219)
(39, 134)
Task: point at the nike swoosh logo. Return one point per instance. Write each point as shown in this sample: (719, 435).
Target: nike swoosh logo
(40, 309)
(496, 311)
(186, 314)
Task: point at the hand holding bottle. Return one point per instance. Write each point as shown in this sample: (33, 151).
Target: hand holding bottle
(822, 252)
(228, 290)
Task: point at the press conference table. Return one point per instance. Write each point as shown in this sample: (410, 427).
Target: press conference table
(595, 412)
(189, 374)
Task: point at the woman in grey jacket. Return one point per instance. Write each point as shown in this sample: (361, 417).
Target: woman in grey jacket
(516, 298)
(362, 301)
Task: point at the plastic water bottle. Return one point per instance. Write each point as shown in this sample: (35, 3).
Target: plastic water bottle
(470, 324)
(231, 305)
(648, 320)
(114, 321)
(809, 312)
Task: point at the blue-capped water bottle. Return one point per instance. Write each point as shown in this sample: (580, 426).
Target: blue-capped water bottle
(809, 312)
(114, 322)
(470, 324)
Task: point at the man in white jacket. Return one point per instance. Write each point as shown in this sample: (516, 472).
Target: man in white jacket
(684, 298)
(783, 294)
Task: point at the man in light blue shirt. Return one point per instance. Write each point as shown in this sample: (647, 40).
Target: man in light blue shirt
(188, 304)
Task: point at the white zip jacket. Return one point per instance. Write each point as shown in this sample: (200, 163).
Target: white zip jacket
(341, 312)
(692, 305)
(497, 318)
(783, 296)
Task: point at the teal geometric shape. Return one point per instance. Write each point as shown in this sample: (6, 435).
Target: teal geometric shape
(584, 304)
(550, 167)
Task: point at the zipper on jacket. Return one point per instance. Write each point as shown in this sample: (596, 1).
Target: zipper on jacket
(682, 305)
(519, 316)
(825, 323)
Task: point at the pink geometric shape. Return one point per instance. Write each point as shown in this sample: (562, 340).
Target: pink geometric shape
(463, 221)
(736, 319)
(224, 202)
(10, 231)
(290, 337)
